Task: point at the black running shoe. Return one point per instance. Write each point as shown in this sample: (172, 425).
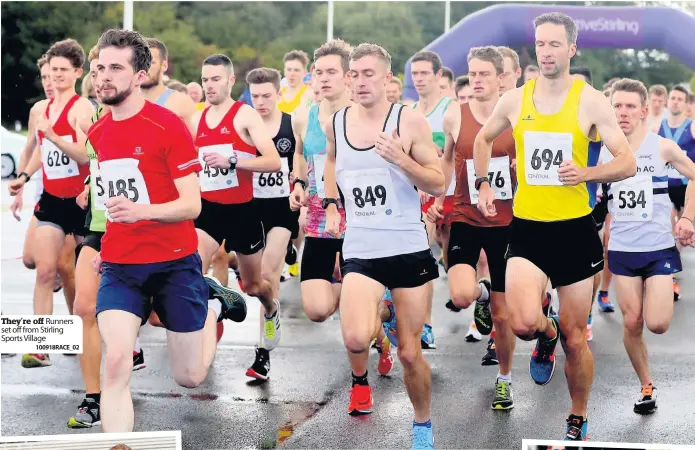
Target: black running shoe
(548, 306)
(87, 416)
(138, 360)
(490, 358)
(261, 366)
(451, 307)
(233, 302)
(647, 402)
(481, 314)
(291, 255)
(577, 428)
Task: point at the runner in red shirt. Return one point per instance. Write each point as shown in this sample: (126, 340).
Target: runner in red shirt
(233, 142)
(148, 166)
(64, 161)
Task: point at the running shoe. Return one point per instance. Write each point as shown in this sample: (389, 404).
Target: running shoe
(542, 363)
(427, 339)
(57, 284)
(87, 416)
(361, 401)
(271, 335)
(576, 428)
(604, 303)
(590, 328)
(285, 275)
(647, 402)
(294, 269)
(390, 326)
(233, 302)
(138, 360)
(473, 334)
(451, 307)
(676, 291)
(490, 358)
(481, 314)
(422, 438)
(220, 330)
(547, 307)
(385, 357)
(30, 360)
(261, 365)
(291, 255)
(504, 399)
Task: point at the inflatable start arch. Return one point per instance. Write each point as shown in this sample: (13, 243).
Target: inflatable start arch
(661, 28)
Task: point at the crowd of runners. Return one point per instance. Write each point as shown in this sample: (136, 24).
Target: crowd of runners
(532, 196)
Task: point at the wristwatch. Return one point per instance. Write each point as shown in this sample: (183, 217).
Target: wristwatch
(232, 162)
(479, 181)
(26, 175)
(300, 181)
(328, 201)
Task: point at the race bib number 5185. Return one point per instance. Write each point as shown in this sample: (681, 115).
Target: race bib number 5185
(543, 154)
(123, 177)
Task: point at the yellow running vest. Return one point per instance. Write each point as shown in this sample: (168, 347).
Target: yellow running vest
(289, 106)
(542, 143)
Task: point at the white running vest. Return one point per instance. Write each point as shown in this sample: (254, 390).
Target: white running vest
(640, 207)
(382, 206)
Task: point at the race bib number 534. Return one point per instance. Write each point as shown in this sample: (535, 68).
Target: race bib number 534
(543, 154)
(633, 200)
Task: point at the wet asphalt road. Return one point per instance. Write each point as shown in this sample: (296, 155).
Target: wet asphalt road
(304, 403)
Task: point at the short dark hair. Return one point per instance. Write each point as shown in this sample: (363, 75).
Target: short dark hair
(41, 61)
(448, 73)
(141, 59)
(557, 18)
(629, 85)
(297, 55)
(585, 71)
(461, 82)
(681, 89)
(159, 45)
(218, 59)
(691, 98)
(264, 75)
(336, 47)
(70, 49)
(432, 57)
(489, 54)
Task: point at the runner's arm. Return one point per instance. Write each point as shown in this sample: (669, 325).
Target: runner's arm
(451, 116)
(186, 207)
(298, 163)
(671, 152)
(623, 164)
(269, 161)
(74, 150)
(31, 144)
(423, 167)
(494, 126)
(329, 178)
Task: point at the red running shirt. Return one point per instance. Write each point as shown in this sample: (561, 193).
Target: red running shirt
(140, 158)
(62, 176)
(222, 185)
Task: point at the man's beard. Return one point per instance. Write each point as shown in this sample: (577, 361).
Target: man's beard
(117, 99)
(151, 82)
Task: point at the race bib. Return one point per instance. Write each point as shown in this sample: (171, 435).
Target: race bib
(319, 167)
(543, 154)
(214, 178)
(370, 196)
(273, 184)
(499, 175)
(56, 164)
(123, 177)
(633, 199)
(98, 192)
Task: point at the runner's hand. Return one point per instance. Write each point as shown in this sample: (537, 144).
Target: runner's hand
(570, 174)
(389, 147)
(513, 165)
(122, 210)
(685, 232)
(435, 213)
(43, 125)
(216, 160)
(333, 222)
(297, 198)
(424, 197)
(486, 197)
(16, 206)
(16, 186)
(81, 199)
(96, 263)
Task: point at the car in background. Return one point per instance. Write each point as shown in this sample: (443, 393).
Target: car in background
(12, 146)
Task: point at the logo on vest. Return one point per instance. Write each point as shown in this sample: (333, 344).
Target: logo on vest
(224, 130)
(528, 118)
(388, 212)
(138, 151)
(283, 145)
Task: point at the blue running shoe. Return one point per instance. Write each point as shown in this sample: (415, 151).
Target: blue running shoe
(422, 437)
(542, 364)
(390, 326)
(427, 340)
(577, 428)
(604, 303)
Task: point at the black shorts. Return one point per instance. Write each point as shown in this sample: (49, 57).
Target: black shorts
(465, 244)
(677, 196)
(276, 212)
(401, 271)
(92, 240)
(238, 225)
(64, 213)
(567, 251)
(600, 212)
(318, 258)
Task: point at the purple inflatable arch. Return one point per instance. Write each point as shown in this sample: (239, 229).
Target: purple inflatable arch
(661, 28)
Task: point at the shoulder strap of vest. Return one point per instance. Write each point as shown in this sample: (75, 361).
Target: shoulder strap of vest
(161, 101)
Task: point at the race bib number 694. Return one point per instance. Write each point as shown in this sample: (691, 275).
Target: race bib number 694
(543, 154)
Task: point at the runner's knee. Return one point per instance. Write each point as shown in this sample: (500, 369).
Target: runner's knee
(575, 339)
(658, 327)
(185, 377)
(633, 324)
(357, 340)
(318, 311)
(46, 273)
(463, 294)
(409, 351)
(85, 305)
(118, 365)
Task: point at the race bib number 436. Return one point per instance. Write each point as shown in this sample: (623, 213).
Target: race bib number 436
(215, 178)
(543, 154)
(633, 200)
(370, 197)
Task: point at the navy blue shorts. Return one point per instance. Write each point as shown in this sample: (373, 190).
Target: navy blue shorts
(645, 264)
(176, 289)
